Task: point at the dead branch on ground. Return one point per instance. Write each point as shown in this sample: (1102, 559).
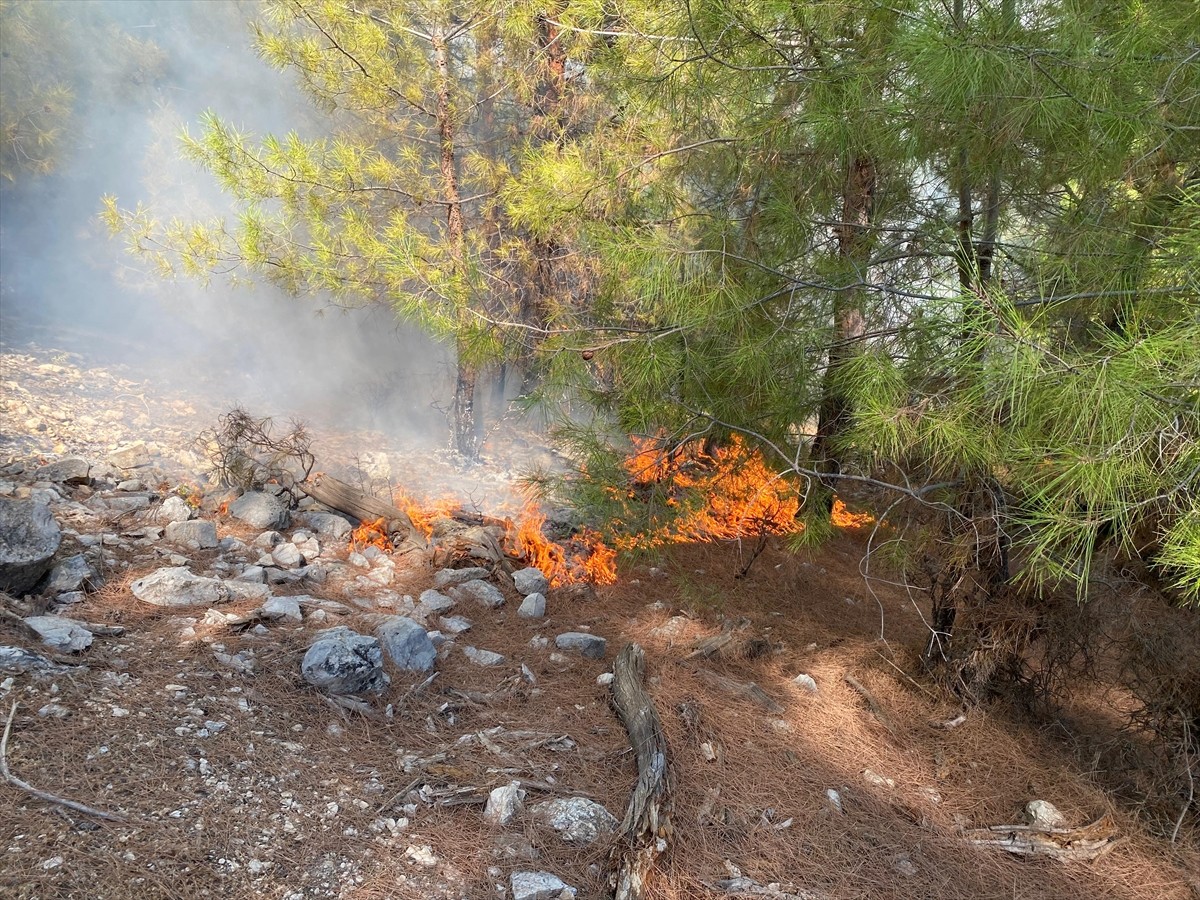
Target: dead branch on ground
(1087, 843)
(35, 792)
(344, 497)
(873, 705)
(747, 690)
(647, 825)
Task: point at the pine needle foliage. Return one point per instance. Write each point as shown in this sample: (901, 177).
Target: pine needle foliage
(1022, 281)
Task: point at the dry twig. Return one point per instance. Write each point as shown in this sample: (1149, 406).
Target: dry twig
(43, 795)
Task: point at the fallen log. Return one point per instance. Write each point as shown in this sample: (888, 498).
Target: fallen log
(646, 828)
(345, 498)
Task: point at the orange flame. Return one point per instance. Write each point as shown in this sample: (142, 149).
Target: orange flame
(370, 534)
(726, 493)
(424, 514)
(583, 558)
(843, 518)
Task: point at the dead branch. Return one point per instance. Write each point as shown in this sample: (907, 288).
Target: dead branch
(873, 705)
(43, 795)
(1087, 843)
(745, 689)
(647, 824)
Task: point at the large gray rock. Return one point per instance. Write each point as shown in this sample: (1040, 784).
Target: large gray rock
(72, 470)
(540, 886)
(406, 644)
(530, 581)
(576, 819)
(71, 574)
(341, 661)
(589, 645)
(328, 525)
(61, 634)
(29, 537)
(177, 586)
(260, 510)
(482, 592)
(196, 533)
(446, 577)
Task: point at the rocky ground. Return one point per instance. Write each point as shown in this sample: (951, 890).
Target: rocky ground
(211, 695)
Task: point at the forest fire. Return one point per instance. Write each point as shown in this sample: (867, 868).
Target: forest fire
(425, 514)
(371, 534)
(726, 492)
(585, 558)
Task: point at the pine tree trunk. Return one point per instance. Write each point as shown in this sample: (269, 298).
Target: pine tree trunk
(463, 419)
(854, 248)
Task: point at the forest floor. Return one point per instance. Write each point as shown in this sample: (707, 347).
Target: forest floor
(238, 784)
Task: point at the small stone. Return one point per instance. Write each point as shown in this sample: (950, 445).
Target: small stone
(434, 602)
(482, 592)
(196, 533)
(576, 819)
(62, 634)
(903, 864)
(328, 525)
(589, 645)
(268, 540)
(260, 510)
(835, 799)
(605, 678)
(282, 608)
(447, 577)
(406, 644)
(806, 682)
(130, 456)
(540, 886)
(422, 856)
(72, 470)
(1043, 814)
(877, 780)
(530, 581)
(53, 711)
(504, 804)
(287, 555)
(173, 509)
(71, 574)
(482, 657)
(454, 624)
(177, 586)
(533, 606)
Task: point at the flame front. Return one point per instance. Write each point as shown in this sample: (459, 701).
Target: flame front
(371, 534)
(584, 558)
(726, 493)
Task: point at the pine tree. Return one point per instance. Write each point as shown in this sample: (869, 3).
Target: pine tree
(961, 241)
(428, 104)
